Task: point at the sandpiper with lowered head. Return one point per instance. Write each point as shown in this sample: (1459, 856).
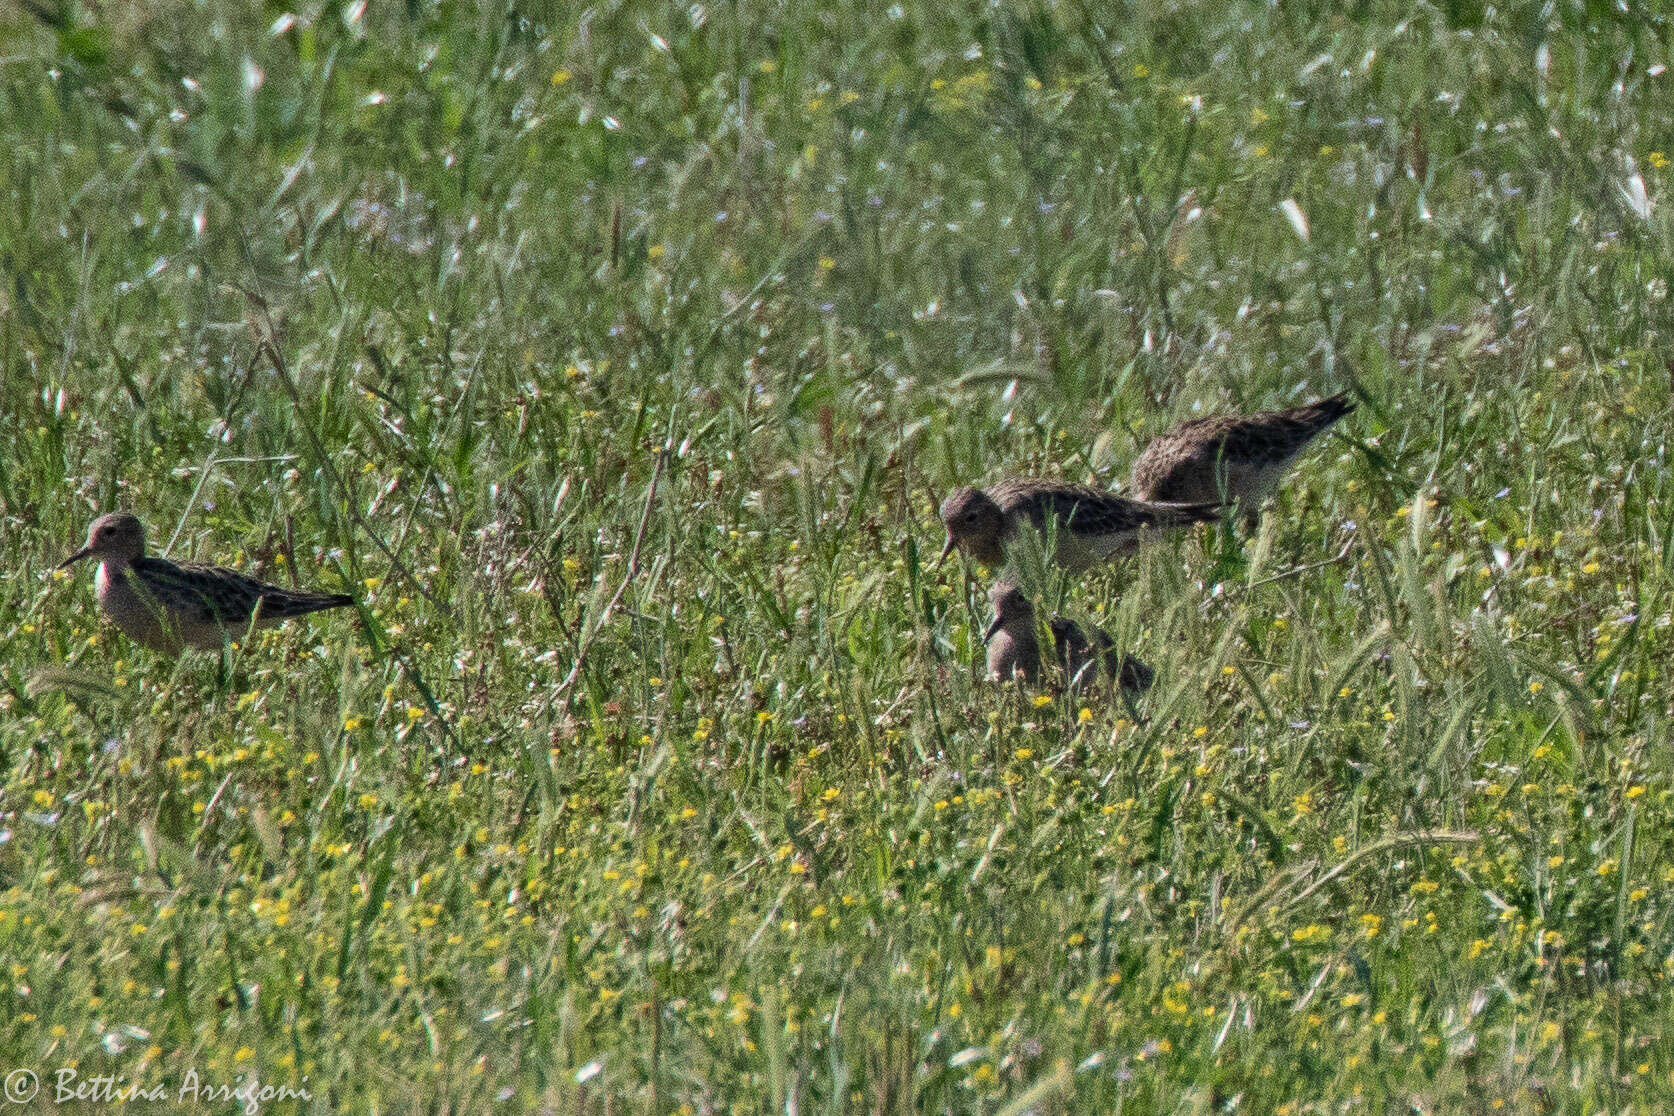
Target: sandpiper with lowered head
(1084, 659)
(168, 606)
(1091, 525)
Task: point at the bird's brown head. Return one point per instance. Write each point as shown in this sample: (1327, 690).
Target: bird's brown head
(975, 525)
(1071, 643)
(1066, 633)
(118, 537)
(1011, 607)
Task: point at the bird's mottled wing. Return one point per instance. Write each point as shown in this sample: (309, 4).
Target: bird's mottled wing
(1266, 438)
(1275, 437)
(1092, 511)
(1155, 468)
(198, 594)
(277, 604)
(194, 594)
(1185, 459)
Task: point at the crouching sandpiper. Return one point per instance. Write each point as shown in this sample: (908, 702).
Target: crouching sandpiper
(1085, 659)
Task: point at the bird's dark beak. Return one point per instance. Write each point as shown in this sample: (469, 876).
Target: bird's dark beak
(947, 548)
(84, 552)
(993, 627)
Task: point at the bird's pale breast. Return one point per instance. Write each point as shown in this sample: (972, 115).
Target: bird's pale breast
(139, 617)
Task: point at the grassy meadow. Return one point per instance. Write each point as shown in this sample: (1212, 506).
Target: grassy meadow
(615, 357)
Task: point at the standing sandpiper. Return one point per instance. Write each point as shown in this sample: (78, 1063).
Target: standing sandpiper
(167, 606)
(1082, 659)
(1231, 458)
(1091, 524)
(1013, 649)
